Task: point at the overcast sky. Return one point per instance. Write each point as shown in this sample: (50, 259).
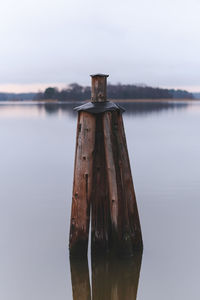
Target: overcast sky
(155, 42)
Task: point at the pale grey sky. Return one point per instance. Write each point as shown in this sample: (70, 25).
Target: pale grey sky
(44, 42)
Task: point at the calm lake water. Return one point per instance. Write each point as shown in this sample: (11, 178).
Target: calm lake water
(37, 144)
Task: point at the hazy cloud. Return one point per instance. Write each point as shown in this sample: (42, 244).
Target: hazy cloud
(149, 41)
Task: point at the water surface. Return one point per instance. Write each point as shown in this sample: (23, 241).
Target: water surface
(37, 144)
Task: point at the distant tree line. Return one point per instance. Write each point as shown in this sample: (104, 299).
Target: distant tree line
(77, 92)
(196, 95)
(73, 92)
(17, 97)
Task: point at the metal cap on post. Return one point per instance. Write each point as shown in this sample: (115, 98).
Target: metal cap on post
(99, 88)
(99, 102)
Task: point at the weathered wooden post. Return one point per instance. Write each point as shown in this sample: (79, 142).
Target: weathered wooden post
(103, 181)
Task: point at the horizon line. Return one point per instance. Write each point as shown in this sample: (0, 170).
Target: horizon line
(40, 87)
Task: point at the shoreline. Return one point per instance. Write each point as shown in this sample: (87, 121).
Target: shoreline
(153, 100)
(148, 100)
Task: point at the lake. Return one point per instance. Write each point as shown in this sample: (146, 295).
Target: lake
(37, 145)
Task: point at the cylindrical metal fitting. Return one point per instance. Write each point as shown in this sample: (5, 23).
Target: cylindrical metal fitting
(99, 88)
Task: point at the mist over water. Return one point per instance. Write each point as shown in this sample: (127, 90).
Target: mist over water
(37, 144)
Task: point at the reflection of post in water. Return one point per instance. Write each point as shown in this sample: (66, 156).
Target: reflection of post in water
(114, 279)
(80, 279)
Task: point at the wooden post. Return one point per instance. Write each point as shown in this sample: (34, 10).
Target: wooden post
(103, 181)
(83, 167)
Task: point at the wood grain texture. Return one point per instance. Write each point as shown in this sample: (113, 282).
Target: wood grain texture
(130, 205)
(82, 185)
(126, 230)
(110, 169)
(101, 225)
(103, 182)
